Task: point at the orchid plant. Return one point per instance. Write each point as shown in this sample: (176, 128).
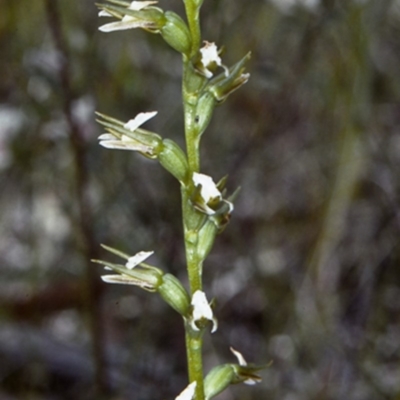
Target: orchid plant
(206, 208)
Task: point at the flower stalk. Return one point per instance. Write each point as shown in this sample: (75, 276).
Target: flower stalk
(206, 82)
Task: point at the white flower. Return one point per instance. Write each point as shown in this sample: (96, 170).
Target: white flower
(202, 311)
(209, 190)
(125, 142)
(242, 362)
(210, 58)
(188, 393)
(211, 197)
(127, 21)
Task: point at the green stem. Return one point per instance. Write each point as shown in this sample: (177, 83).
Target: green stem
(191, 218)
(194, 340)
(192, 13)
(190, 92)
(195, 362)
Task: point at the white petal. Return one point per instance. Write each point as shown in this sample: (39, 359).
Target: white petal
(119, 145)
(201, 307)
(209, 54)
(188, 393)
(239, 357)
(251, 381)
(140, 119)
(123, 280)
(125, 23)
(139, 5)
(209, 189)
(138, 258)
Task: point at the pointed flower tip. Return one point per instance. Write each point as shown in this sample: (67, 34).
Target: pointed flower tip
(104, 13)
(138, 258)
(242, 362)
(188, 393)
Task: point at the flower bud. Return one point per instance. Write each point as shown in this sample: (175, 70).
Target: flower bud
(176, 33)
(206, 238)
(172, 291)
(204, 111)
(173, 159)
(217, 380)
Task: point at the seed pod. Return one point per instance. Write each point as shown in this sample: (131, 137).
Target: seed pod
(204, 111)
(173, 159)
(176, 33)
(206, 239)
(217, 380)
(173, 293)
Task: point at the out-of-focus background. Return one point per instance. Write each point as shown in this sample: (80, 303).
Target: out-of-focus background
(306, 273)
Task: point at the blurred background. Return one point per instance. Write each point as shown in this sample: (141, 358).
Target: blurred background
(306, 273)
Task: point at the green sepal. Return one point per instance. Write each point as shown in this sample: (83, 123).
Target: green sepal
(115, 251)
(222, 86)
(247, 373)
